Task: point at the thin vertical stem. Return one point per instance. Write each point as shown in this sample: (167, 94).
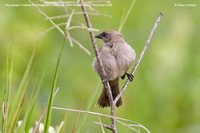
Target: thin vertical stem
(105, 80)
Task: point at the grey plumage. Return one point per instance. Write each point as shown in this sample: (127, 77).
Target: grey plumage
(117, 56)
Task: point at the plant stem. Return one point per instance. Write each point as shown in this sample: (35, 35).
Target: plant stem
(105, 80)
(140, 57)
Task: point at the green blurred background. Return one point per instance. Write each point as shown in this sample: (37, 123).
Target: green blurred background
(165, 95)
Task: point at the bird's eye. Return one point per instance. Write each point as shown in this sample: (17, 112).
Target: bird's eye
(104, 34)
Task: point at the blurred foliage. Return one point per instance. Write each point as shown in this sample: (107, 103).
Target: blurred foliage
(165, 94)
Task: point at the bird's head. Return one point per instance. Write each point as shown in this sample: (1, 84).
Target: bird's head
(110, 36)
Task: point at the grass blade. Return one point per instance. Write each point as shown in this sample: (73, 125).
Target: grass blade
(26, 122)
(91, 100)
(73, 129)
(7, 90)
(36, 128)
(51, 97)
(15, 109)
(102, 129)
(33, 104)
(126, 16)
(65, 125)
(58, 129)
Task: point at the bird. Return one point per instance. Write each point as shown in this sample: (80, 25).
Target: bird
(117, 57)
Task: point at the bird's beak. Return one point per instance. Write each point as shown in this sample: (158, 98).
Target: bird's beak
(99, 36)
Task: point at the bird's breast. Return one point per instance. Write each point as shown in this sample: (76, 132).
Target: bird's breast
(125, 56)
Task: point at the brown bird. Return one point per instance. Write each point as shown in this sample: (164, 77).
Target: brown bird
(117, 56)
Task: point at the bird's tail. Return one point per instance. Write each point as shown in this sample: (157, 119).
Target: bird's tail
(103, 99)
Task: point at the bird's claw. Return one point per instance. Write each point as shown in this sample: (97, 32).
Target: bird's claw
(130, 76)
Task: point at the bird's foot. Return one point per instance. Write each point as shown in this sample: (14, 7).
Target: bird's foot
(130, 76)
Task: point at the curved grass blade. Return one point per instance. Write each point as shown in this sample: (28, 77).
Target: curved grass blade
(51, 97)
(15, 110)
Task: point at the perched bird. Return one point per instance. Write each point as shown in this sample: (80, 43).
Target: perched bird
(117, 56)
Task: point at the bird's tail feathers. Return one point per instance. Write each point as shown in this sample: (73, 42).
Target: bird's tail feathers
(103, 99)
